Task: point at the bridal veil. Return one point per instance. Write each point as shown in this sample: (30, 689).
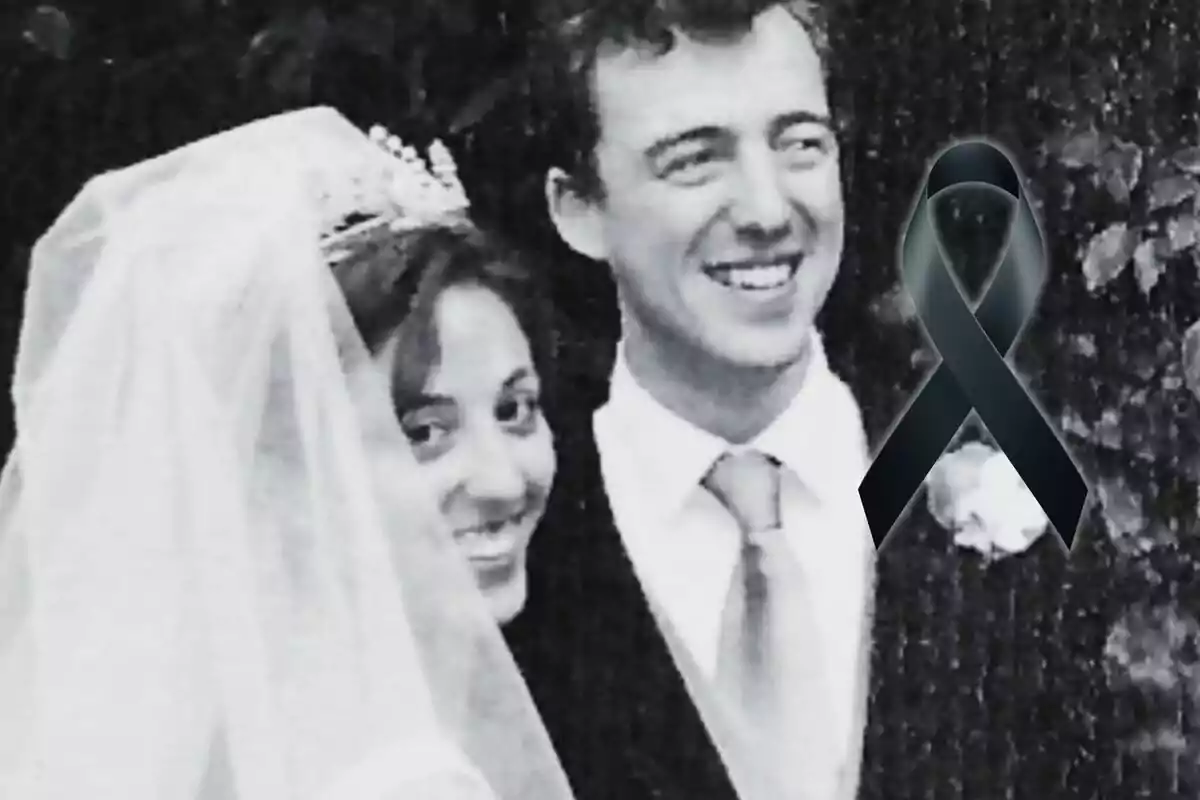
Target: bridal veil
(218, 578)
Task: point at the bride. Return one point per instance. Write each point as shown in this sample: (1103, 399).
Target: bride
(220, 577)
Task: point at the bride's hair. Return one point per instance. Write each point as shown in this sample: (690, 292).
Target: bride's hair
(392, 281)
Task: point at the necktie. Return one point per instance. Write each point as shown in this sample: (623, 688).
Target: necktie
(769, 666)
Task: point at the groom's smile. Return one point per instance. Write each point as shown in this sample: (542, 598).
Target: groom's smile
(756, 275)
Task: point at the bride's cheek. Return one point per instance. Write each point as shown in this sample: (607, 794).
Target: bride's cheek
(400, 487)
(542, 459)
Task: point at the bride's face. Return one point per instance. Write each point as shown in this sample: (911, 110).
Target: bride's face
(480, 437)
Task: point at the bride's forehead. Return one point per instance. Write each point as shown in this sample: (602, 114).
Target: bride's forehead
(480, 341)
(477, 325)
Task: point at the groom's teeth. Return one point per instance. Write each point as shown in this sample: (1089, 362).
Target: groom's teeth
(770, 275)
(762, 277)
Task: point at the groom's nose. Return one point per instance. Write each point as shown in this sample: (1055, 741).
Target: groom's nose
(759, 205)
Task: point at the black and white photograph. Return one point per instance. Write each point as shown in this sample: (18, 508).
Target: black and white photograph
(460, 401)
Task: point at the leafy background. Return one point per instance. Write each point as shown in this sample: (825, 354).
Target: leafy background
(1091, 662)
(1098, 103)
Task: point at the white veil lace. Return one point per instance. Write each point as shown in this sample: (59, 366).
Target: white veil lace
(217, 580)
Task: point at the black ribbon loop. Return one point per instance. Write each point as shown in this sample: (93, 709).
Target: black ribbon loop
(974, 374)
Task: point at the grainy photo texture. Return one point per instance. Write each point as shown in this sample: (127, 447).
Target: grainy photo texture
(445, 399)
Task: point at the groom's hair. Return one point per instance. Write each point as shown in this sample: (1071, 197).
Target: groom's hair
(575, 33)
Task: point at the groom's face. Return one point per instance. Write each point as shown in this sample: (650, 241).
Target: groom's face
(721, 211)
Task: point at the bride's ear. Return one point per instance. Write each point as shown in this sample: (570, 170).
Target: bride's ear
(576, 217)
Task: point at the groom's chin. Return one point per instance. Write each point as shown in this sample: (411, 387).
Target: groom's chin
(753, 349)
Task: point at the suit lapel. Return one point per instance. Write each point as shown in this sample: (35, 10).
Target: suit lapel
(622, 677)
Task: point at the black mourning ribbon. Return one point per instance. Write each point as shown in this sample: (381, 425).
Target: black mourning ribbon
(973, 374)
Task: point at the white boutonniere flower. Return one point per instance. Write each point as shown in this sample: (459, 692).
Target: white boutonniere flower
(976, 493)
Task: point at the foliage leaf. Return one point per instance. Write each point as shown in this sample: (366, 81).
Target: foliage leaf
(1149, 647)
(414, 79)
(1120, 168)
(1171, 190)
(894, 307)
(48, 28)
(1191, 358)
(1122, 505)
(1183, 232)
(1107, 254)
(1084, 149)
(1188, 160)
(479, 104)
(287, 49)
(1148, 266)
(1056, 91)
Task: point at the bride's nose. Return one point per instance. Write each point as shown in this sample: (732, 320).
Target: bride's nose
(494, 473)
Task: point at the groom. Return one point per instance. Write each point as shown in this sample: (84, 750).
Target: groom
(697, 620)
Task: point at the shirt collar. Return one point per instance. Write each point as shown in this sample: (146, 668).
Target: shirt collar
(666, 457)
(806, 434)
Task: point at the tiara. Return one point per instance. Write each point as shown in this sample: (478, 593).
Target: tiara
(408, 193)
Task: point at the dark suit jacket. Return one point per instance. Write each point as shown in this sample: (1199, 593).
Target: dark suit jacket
(986, 680)
(599, 670)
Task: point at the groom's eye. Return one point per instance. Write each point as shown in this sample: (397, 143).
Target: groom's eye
(804, 145)
(691, 166)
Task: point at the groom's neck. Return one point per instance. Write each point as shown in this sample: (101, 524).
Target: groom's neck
(728, 400)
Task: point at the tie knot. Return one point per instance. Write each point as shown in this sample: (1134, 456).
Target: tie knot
(747, 484)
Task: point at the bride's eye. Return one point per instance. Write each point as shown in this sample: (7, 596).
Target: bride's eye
(519, 411)
(424, 433)
(428, 431)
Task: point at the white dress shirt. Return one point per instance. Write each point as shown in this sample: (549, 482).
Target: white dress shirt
(685, 546)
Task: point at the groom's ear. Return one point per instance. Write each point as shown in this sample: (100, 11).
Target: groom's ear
(576, 217)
